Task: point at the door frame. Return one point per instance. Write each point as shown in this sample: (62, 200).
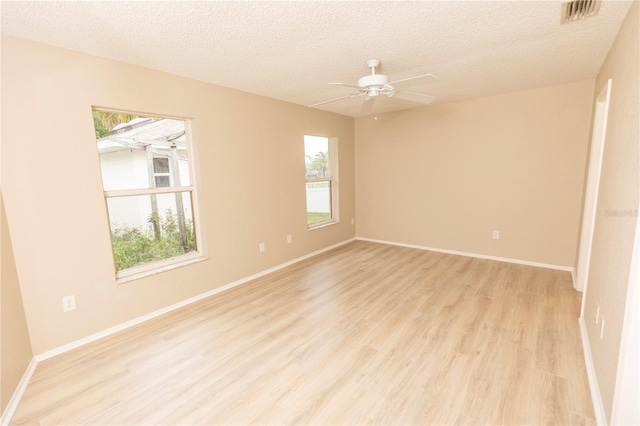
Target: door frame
(599, 133)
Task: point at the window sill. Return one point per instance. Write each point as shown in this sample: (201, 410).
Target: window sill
(163, 266)
(322, 224)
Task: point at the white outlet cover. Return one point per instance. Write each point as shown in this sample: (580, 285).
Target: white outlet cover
(68, 303)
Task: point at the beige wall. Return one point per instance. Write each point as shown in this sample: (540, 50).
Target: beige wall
(15, 348)
(251, 175)
(446, 176)
(619, 187)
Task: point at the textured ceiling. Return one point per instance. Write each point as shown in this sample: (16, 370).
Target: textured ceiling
(290, 50)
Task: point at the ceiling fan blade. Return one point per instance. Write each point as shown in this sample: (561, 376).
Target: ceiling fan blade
(346, 85)
(367, 105)
(415, 97)
(353, 95)
(413, 81)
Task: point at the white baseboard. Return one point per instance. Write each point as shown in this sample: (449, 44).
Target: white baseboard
(11, 407)
(479, 256)
(574, 279)
(596, 398)
(8, 413)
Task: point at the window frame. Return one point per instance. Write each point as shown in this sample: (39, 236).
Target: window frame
(199, 254)
(332, 152)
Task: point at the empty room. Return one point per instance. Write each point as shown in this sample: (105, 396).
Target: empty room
(336, 213)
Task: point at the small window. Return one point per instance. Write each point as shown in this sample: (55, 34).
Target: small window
(150, 197)
(321, 180)
(161, 172)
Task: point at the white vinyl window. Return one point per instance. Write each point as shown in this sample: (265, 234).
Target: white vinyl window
(149, 191)
(321, 180)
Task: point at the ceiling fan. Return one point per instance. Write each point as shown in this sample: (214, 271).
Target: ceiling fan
(373, 85)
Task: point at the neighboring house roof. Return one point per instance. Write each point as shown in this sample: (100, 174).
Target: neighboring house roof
(159, 134)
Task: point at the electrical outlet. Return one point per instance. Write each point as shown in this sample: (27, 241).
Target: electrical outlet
(289, 239)
(262, 248)
(68, 303)
(496, 235)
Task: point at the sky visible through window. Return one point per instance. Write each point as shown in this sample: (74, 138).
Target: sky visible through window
(315, 144)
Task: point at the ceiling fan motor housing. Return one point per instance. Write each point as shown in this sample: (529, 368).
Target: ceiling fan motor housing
(374, 80)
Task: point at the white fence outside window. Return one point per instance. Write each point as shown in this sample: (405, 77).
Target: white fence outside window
(319, 197)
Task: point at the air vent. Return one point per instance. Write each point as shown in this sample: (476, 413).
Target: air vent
(579, 9)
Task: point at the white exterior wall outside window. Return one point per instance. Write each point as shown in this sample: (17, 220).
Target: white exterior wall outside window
(122, 167)
(321, 180)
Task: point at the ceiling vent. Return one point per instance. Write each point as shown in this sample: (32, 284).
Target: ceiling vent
(579, 9)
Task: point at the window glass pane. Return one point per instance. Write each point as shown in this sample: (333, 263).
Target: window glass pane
(318, 202)
(162, 182)
(316, 153)
(148, 228)
(161, 165)
(128, 144)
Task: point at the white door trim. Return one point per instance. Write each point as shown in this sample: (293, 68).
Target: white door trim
(593, 182)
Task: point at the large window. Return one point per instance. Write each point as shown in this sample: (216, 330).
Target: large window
(322, 180)
(149, 191)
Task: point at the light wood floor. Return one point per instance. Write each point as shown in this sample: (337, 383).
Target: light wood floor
(364, 334)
